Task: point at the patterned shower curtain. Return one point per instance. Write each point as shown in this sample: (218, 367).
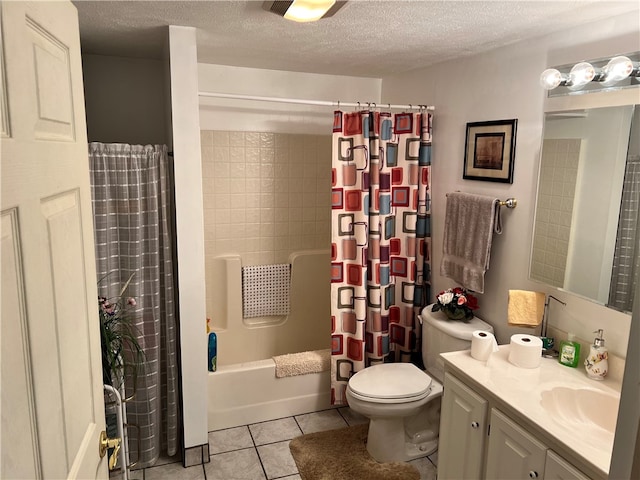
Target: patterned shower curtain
(381, 239)
(131, 196)
(626, 259)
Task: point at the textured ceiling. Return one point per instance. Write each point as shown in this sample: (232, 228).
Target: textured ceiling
(365, 38)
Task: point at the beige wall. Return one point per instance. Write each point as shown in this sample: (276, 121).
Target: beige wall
(267, 200)
(126, 99)
(266, 195)
(259, 116)
(503, 84)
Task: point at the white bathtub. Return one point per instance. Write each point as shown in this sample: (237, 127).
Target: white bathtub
(249, 392)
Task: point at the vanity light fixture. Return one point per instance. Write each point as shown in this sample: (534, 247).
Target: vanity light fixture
(619, 71)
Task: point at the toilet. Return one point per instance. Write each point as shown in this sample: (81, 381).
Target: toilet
(401, 401)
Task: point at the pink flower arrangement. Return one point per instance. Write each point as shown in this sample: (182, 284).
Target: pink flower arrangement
(456, 303)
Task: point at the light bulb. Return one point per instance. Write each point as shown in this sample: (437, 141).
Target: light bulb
(308, 10)
(617, 69)
(550, 79)
(581, 74)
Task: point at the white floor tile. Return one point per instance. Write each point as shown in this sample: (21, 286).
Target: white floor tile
(320, 421)
(136, 475)
(234, 456)
(427, 470)
(172, 471)
(229, 439)
(238, 465)
(352, 417)
(277, 460)
(163, 459)
(274, 431)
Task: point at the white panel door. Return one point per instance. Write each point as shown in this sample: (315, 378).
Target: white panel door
(463, 429)
(51, 379)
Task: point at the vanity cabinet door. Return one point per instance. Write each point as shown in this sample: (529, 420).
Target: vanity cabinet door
(513, 453)
(463, 429)
(557, 468)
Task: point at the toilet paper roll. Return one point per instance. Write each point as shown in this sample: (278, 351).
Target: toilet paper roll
(483, 344)
(525, 351)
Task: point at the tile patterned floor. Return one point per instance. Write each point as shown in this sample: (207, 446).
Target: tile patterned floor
(260, 451)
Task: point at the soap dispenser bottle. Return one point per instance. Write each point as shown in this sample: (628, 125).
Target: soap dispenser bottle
(597, 362)
(569, 352)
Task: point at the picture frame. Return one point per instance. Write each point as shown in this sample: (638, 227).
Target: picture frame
(490, 149)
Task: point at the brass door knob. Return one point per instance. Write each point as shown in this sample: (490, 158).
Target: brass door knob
(107, 443)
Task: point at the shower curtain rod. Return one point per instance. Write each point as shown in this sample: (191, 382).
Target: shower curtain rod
(323, 103)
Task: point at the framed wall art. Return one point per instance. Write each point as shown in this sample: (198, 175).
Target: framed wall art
(490, 149)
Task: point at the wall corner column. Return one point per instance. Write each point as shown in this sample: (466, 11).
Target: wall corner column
(191, 298)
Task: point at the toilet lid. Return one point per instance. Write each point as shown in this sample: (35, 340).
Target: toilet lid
(391, 381)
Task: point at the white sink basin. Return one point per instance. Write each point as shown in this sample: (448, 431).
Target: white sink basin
(582, 406)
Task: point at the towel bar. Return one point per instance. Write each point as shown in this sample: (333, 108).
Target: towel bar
(509, 203)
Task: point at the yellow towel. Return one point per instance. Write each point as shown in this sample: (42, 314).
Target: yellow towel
(525, 308)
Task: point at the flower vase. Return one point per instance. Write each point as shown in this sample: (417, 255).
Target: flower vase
(455, 313)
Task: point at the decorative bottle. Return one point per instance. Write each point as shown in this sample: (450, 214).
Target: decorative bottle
(213, 352)
(597, 362)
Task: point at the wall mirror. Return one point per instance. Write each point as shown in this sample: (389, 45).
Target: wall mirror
(586, 236)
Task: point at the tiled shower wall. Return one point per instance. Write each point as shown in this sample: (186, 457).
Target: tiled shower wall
(558, 175)
(266, 195)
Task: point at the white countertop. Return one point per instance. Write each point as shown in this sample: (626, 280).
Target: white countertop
(521, 389)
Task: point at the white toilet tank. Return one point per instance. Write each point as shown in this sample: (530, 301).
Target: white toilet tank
(440, 335)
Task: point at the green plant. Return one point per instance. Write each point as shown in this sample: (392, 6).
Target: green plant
(122, 355)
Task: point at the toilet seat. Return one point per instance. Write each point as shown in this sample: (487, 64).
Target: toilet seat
(390, 383)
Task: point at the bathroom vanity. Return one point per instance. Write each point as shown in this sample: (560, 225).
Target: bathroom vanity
(500, 421)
